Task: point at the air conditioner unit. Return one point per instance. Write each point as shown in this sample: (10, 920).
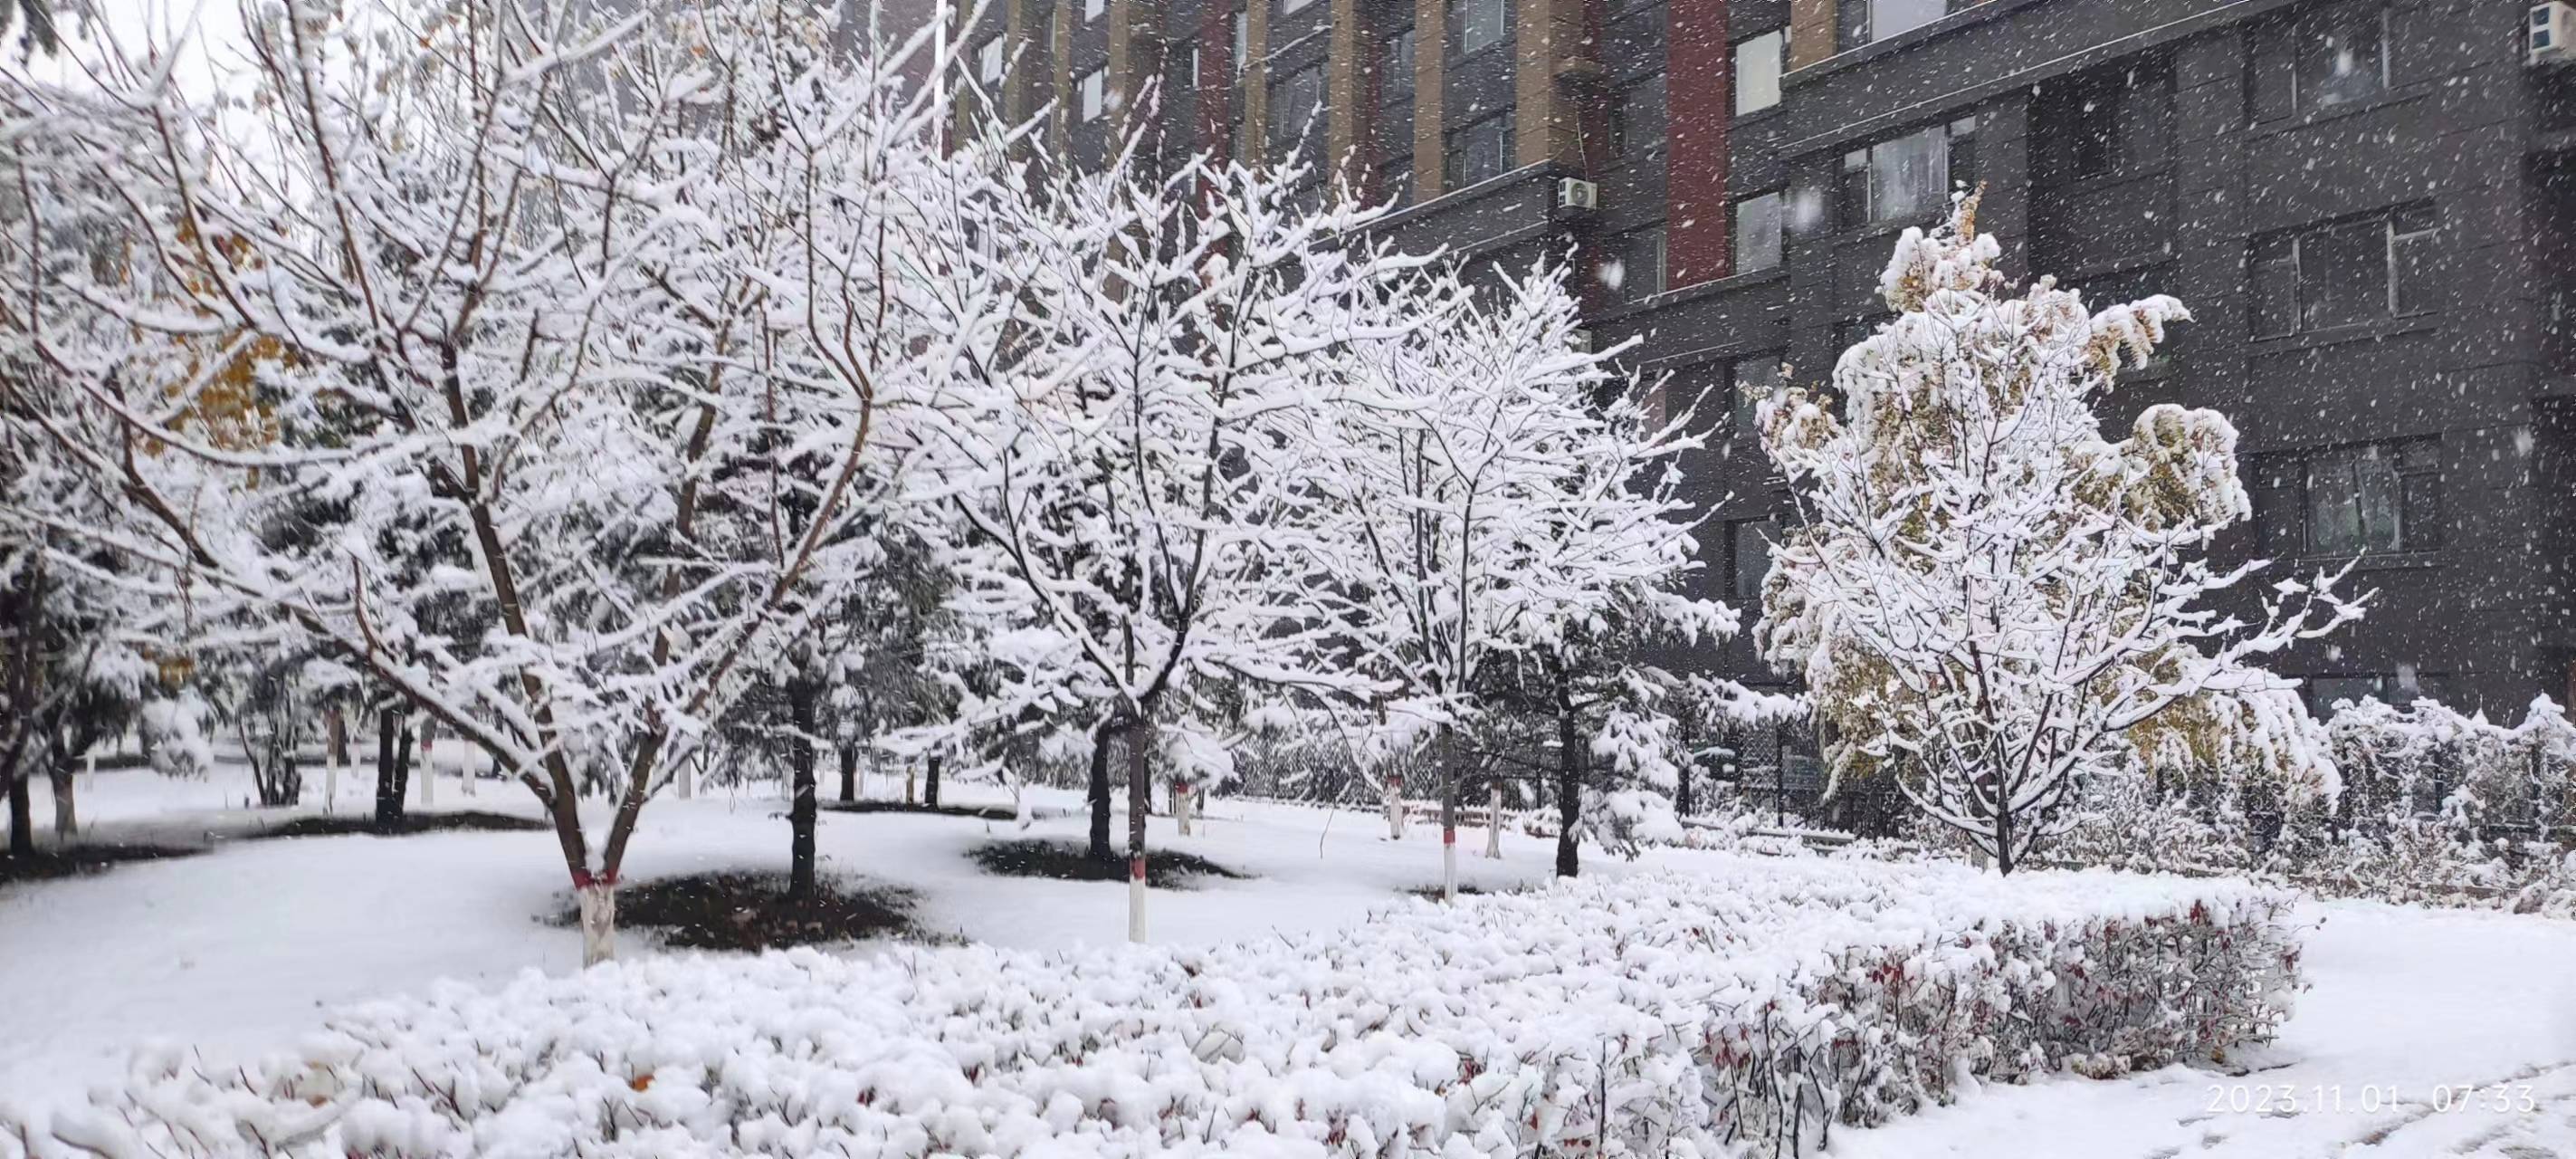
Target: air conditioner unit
(2553, 33)
(1580, 340)
(1577, 195)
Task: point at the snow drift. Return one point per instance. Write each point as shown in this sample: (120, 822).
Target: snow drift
(1741, 1012)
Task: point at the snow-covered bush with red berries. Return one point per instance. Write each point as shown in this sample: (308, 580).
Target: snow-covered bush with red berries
(1744, 1011)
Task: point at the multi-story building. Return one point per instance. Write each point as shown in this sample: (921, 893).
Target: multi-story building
(2368, 205)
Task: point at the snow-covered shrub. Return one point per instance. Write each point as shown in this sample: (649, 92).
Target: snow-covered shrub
(2436, 807)
(1744, 1011)
(2426, 760)
(174, 733)
(2123, 820)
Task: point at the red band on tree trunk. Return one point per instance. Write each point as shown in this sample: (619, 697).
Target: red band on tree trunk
(1136, 869)
(1448, 835)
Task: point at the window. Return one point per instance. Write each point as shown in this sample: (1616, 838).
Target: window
(2324, 57)
(1095, 94)
(1759, 61)
(1092, 9)
(1477, 152)
(1748, 560)
(2355, 500)
(2117, 123)
(1637, 117)
(2343, 272)
(988, 62)
(1639, 263)
(1288, 6)
(1866, 20)
(2396, 691)
(1475, 25)
(1293, 100)
(1759, 232)
(1395, 66)
(1908, 178)
(2410, 254)
(1748, 380)
(1242, 42)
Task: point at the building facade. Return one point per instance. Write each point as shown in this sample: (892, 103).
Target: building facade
(2368, 205)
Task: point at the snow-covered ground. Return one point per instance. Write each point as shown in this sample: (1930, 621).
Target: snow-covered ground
(238, 950)
(2426, 1033)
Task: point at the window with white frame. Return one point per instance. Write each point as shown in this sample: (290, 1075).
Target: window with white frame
(1908, 178)
(2327, 55)
(1759, 63)
(2364, 498)
(1760, 232)
(1095, 95)
(988, 62)
(2342, 272)
(1475, 25)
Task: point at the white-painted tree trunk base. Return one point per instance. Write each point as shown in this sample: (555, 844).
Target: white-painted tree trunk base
(908, 784)
(597, 902)
(1494, 824)
(1181, 807)
(1448, 864)
(66, 810)
(1395, 810)
(330, 786)
(1136, 899)
(428, 771)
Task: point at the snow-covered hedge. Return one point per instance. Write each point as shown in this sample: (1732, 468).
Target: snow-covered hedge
(2436, 807)
(1654, 1015)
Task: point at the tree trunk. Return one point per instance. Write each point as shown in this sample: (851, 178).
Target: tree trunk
(1181, 806)
(800, 825)
(428, 762)
(393, 767)
(1682, 786)
(930, 783)
(1569, 795)
(849, 773)
(800, 807)
(2003, 840)
(596, 898)
(1448, 815)
(1494, 821)
(22, 821)
(1140, 750)
(1393, 791)
(66, 817)
(1099, 793)
(335, 753)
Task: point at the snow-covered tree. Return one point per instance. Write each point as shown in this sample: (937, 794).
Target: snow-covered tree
(85, 645)
(1989, 601)
(1123, 475)
(538, 283)
(1496, 494)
